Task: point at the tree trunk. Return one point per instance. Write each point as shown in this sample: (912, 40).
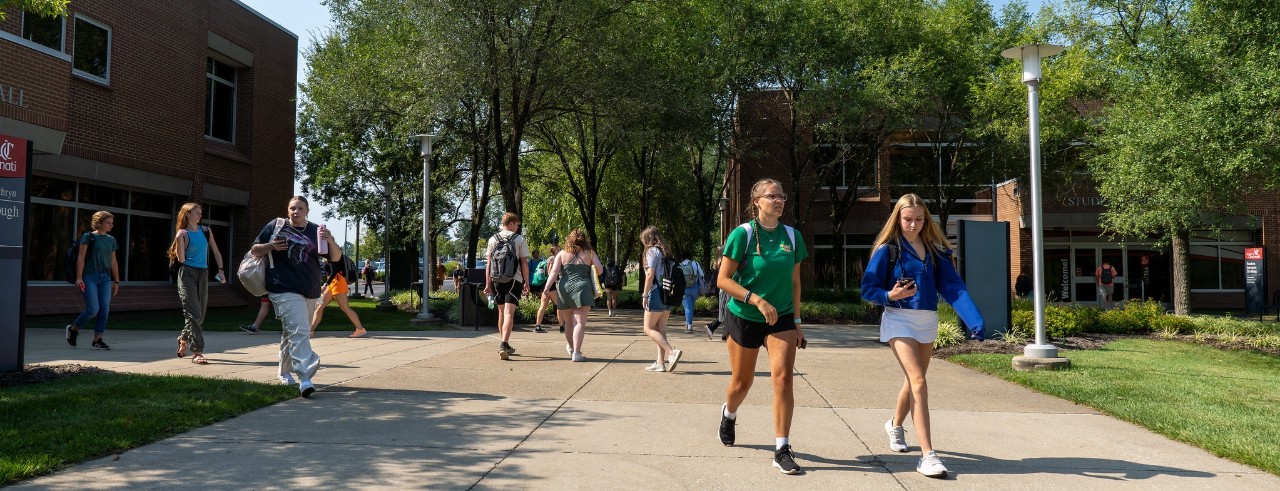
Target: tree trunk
(1181, 285)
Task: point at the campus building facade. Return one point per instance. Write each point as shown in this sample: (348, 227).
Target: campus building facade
(1074, 242)
(136, 107)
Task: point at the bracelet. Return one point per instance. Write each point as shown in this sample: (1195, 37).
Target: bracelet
(797, 320)
(747, 298)
(116, 282)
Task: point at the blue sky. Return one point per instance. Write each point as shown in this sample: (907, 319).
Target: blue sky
(309, 18)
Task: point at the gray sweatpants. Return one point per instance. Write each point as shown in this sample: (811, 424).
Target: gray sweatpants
(296, 356)
(193, 291)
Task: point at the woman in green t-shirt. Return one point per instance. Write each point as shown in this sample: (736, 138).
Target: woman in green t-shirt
(760, 274)
(97, 277)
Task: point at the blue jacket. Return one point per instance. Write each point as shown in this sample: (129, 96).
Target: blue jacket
(934, 277)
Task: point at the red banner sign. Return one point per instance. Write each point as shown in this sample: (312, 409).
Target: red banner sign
(13, 156)
(1253, 253)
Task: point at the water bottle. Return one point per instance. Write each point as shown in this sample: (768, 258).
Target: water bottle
(322, 246)
(491, 299)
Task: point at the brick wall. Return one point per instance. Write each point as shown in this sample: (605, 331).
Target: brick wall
(150, 116)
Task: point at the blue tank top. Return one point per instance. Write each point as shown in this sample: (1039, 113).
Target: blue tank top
(197, 249)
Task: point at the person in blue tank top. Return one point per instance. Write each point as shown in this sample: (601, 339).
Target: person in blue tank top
(193, 246)
(910, 267)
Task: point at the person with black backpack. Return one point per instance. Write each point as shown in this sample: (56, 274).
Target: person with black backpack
(1105, 278)
(192, 247)
(614, 279)
(97, 276)
(657, 259)
(506, 277)
(336, 288)
(760, 272)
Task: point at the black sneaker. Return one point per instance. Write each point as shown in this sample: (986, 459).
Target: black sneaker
(71, 335)
(561, 327)
(98, 344)
(249, 328)
(538, 329)
(785, 461)
(728, 432)
(510, 349)
(711, 329)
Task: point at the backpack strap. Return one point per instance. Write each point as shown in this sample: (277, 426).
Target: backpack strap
(791, 235)
(271, 261)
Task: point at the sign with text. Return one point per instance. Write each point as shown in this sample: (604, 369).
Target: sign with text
(1255, 280)
(15, 157)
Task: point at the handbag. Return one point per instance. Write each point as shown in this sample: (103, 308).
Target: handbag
(253, 269)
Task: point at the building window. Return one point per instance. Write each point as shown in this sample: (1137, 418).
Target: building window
(143, 227)
(45, 31)
(1216, 266)
(220, 101)
(92, 49)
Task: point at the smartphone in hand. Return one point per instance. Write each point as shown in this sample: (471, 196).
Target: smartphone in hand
(804, 343)
(906, 282)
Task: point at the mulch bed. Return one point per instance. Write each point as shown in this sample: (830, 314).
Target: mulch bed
(1081, 342)
(32, 374)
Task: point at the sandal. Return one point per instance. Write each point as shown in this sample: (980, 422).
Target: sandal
(360, 333)
(182, 348)
(199, 359)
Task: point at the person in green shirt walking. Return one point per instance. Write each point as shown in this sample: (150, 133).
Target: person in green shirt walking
(760, 274)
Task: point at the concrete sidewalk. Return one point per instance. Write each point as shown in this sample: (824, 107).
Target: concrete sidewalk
(439, 410)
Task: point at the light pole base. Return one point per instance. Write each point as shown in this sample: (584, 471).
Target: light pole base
(430, 321)
(1027, 364)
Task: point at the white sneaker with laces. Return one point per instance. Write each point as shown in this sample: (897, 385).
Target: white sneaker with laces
(286, 379)
(673, 358)
(931, 466)
(656, 367)
(577, 356)
(897, 436)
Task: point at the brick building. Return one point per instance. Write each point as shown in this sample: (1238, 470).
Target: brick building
(136, 107)
(1073, 240)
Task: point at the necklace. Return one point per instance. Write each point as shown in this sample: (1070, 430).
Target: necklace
(766, 229)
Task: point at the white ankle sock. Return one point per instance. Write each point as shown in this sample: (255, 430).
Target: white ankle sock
(780, 442)
(724, 410)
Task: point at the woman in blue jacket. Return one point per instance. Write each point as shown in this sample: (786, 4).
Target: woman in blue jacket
(910, 267)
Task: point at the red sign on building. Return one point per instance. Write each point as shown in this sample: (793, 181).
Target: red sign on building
(13, 156)
(1253, 253)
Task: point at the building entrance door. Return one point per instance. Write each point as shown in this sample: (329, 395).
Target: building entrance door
(1087, 260)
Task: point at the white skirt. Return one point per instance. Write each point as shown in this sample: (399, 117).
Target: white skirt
(920, 325)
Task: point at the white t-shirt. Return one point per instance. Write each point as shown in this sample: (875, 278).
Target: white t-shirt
(653, 260)
(522, 250)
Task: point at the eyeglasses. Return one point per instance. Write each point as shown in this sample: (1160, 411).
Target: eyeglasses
(775, 197)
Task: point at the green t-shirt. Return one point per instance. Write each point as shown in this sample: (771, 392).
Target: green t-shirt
(98, 257)
(768, 273)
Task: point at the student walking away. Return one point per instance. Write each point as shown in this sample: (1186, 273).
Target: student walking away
(505, 277)
(336, 288)
(574, 274)
(293, 285)
(614, 279)
(549, 294)
(459, 277)
(264, 306)
(97, 277)
(910, 267)
(369, 275)
(538, 283)
(722, 302)
(437, 278)
(193, 246)
(1105, 278)
(656, 312)
(693, 278)
(760, 271)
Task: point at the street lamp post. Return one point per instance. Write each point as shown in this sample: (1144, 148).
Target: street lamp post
(1041, 354)
(424, 313)
(617, 217)
(356, 293)
(386, 247)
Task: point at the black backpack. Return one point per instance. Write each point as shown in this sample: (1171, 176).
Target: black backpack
(349, 270)
(73, 253)
(709, 286)
(1107, 276)
(612, 277)
(506, 260)
(673, 284)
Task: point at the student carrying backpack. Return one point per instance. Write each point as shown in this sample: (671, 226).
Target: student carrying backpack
(506, 259)
(673, 282)
(612, 277)
(73, 253)
(539, 274)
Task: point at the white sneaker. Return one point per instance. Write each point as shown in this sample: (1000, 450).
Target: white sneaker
(656, 367)
(568, 349)
(577, 356)
(897, 436)
(930, 465)
(286, 379)
(306, 388)
(672, 359)
(688, 329)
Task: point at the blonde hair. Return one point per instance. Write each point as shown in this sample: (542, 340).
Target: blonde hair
(934, 241)
(758, 191)
(98, 218)
(577, 242)
(650, 237)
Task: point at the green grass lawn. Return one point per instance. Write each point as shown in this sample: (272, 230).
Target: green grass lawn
(48, 425)
(1226, 402)
(231, 318)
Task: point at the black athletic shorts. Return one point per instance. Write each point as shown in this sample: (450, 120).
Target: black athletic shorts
(751, 334)
(508, 292)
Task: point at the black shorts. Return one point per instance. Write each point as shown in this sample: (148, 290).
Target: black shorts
(751, 334)
(508, 292)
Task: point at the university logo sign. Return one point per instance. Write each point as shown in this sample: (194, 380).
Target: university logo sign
(13, 156)
(1253, 253)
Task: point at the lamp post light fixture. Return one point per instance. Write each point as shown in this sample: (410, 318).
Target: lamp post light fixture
(424, 313)
(1041, 354)
(617, 218)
